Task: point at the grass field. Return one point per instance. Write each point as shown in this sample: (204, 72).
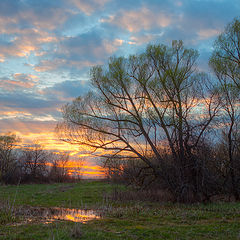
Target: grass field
(121, 220)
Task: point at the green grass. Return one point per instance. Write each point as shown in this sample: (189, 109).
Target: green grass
(6, 216)
(122, 220)
(51, 195)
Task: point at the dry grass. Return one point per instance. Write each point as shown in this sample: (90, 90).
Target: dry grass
(152, 195)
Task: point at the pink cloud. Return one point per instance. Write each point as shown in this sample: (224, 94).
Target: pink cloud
(208, 33)
(89, 6)
(142, 19)
(25, 42)
(19, 80)
(145, 38)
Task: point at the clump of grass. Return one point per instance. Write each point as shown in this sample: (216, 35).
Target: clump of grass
(151, 195)
(124, 211)
(77, 231)
(7, 212)
(6, 216)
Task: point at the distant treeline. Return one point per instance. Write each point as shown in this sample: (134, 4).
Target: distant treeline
(32, 163)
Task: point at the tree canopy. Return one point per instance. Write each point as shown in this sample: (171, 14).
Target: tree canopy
(225, 62)
(225, 59)
(144, 106)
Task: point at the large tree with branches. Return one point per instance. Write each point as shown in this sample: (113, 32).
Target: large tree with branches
(225, 62)
(147, 107)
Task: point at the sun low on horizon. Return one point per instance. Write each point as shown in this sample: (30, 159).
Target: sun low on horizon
(47, 49)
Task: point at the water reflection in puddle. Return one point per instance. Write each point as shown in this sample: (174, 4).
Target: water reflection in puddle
(74, 215)
(49, 215)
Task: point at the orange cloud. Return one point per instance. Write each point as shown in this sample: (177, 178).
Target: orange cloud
(12, 84)
(26, 40)
(82, 168)
(20, 80)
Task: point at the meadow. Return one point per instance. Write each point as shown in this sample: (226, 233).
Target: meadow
(123, 219)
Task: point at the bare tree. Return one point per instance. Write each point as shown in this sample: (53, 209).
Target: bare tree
(143, 104)
(34, 161)
(77, 171)
(8, 159)
(59, 171)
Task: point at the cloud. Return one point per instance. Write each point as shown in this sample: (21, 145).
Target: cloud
(62, 64)
(28, 26)
(67, 90)
(208, 33)
(91, 45)
(78, 52)
(46, 15)
(140, 39)
(24, 42)
(89, 6)
(18, 81)
(138, 20)
(27, 127)
(38, 104)
(22, 100)
(204, 20)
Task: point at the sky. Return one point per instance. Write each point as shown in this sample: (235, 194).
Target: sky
(47, 48)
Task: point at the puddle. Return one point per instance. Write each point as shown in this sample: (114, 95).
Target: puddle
(49, 215)
(74, 215)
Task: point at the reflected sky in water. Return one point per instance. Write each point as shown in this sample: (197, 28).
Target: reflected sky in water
(49, 215)
(74, 215)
